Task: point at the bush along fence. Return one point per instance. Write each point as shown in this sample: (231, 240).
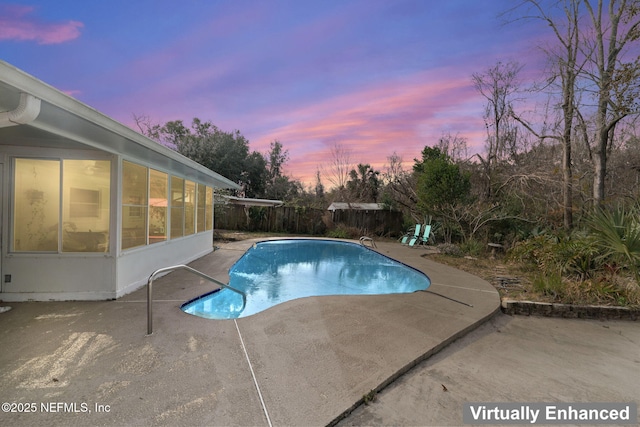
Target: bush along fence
(296, 220)
(373, 222)
(283, 219)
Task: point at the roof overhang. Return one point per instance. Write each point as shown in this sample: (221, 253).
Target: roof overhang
(243, 201)
(64, 122)
(335, 206)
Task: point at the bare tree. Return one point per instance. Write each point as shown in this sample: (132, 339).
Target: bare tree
(147, 127)
(564, 70)
(498, 85)
(615, 75)
(454, 146)
(402, 186)
(338, 170)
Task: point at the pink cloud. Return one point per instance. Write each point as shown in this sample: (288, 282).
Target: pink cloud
(400, 117)
(17, 23)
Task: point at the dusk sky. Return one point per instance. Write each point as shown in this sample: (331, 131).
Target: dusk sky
(373, 76)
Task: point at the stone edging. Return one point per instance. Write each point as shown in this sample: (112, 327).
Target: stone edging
(530, 308)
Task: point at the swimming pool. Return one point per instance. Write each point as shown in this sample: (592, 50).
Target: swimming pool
(276, 271)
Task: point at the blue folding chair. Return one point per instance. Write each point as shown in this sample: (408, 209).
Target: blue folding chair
(410, 235)
(426, 235)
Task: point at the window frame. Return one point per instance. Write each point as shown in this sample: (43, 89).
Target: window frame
(191, 193)
(64, 203)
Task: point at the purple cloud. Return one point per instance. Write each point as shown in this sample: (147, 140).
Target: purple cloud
(17, 23)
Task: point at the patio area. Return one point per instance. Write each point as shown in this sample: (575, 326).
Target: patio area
(312, 358)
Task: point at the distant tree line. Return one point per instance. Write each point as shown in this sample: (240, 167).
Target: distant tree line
(228, 153)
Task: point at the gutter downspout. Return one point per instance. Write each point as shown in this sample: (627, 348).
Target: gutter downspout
(27, 111)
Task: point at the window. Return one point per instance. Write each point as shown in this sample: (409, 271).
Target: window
(209, 220)
(200, 217)
(134, 205)
(36, 205)
(40, 190)
(86, 205)
(158, 205)
(177, 207)
(189, 207)
(149, 196)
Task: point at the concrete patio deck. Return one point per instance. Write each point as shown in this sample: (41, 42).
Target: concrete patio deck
(515, 359)
(91, 363)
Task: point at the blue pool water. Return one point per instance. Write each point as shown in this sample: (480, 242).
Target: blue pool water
(273, 272)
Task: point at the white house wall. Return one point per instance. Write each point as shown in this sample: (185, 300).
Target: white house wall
(135, 266)
(63, 277)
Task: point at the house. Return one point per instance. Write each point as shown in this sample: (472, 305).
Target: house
(89, 207)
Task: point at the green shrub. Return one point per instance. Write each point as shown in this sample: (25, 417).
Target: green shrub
(600, 291)
(617, 233)
(549, 284)
(536, 252)
(340, 232)
(343, 232)
(578, 257)
(449, 249)
(472, 247)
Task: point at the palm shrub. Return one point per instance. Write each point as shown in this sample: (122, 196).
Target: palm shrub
(537, 252)
(578, 256)
(617, 233)
(574, 256)
(472, 247)
(584, 267)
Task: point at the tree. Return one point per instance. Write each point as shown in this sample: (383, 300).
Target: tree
(597, 63)
(339, 168)
(565, 67)
(224, 152)
(364, 184)
(227, 153)
(319, 187)
(441, 184)
(453, 146)
(498, 84)
(400, 185)
(254, 175)
(276, 159)
(615, 75)
(441, 188)
(279, 186)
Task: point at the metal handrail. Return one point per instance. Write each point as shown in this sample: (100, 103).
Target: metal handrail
(192, 270)
(368, 239)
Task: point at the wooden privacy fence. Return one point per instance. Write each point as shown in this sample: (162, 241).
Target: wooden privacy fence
(297, 220)
(270, 219)
(378, 222)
